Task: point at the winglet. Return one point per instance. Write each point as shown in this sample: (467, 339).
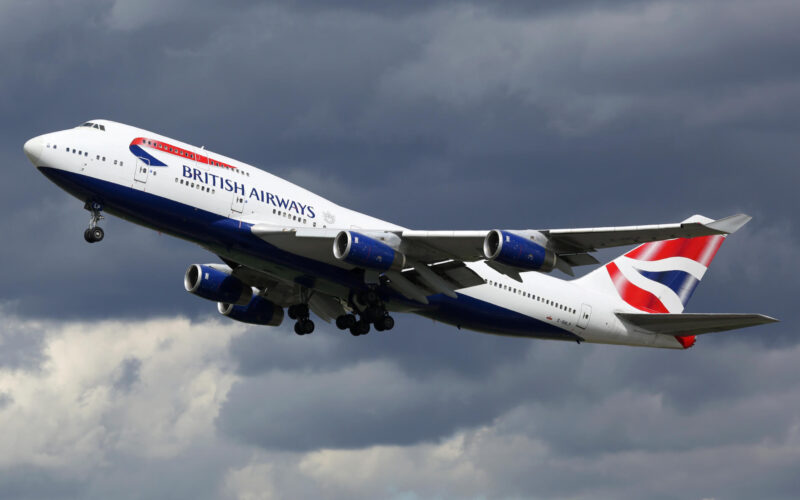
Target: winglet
(730, 224)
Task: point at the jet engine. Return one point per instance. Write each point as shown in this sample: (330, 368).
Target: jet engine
(216, 283)
(259, 311)
(518, 251)
(364, 251)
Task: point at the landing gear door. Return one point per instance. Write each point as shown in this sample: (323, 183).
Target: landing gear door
(586, 313)
(141, 171)
(237, 205)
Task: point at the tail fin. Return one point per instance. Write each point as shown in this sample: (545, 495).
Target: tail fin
(660, 276)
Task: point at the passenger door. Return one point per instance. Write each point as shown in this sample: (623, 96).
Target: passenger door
(141, 172)
(237, 204)
(586, 313)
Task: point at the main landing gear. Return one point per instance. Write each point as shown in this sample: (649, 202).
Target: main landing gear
(303, 325)
(373, 313)
(94, 233)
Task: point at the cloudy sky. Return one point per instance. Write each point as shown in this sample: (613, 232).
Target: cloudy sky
(115, 383)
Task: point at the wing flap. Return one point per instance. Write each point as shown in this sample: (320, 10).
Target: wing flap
(455, 274)
(693, 323)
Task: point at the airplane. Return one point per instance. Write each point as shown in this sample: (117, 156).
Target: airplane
(284, 248)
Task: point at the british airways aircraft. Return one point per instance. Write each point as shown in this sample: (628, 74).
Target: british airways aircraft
(284, 247)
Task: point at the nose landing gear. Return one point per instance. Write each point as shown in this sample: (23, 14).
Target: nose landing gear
(94, 233)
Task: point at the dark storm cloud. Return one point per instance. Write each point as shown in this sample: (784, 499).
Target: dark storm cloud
(417, 351)
(578, 400)
(404, 118)
(442, 115)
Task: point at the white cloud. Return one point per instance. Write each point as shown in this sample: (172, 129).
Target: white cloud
(577, 426)
(68, 415)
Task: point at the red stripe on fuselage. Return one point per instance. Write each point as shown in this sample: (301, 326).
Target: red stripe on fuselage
(637, 297)
(701, 249)
(176, 151)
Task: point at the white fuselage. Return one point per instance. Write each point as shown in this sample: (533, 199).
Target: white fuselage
(201, 181)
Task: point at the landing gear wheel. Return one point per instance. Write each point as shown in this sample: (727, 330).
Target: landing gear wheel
(360, 328)
(93, 234)
(345, 321)
(304, 327)
(97, 234)
(386, 323)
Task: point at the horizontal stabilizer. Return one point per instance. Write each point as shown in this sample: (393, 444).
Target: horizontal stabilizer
(693, 324)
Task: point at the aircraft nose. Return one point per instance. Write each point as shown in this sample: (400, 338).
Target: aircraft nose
(33, 150)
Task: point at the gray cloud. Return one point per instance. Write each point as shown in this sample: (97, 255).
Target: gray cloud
(129, 374)
(21, 344)
(444, 115)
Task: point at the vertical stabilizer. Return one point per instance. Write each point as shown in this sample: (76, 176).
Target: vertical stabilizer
(660, 276)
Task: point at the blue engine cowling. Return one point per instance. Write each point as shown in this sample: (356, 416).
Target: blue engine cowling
(259, 311)
(515, 250)
(363, 251)
(215, 284)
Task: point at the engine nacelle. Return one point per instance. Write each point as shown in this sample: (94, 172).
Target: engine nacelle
(214, 283)
(363, 251)
(259, 311)
(518, 251)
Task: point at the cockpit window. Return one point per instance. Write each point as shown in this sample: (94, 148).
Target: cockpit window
(94, 125)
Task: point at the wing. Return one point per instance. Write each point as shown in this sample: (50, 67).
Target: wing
(422, 251)
(572, 245)
(419, 278)
(693, 324)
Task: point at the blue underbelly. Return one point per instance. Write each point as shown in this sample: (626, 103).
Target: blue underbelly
(204, 227)
(474, 314)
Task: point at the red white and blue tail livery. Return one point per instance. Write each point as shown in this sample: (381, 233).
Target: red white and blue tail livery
(287, 251)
